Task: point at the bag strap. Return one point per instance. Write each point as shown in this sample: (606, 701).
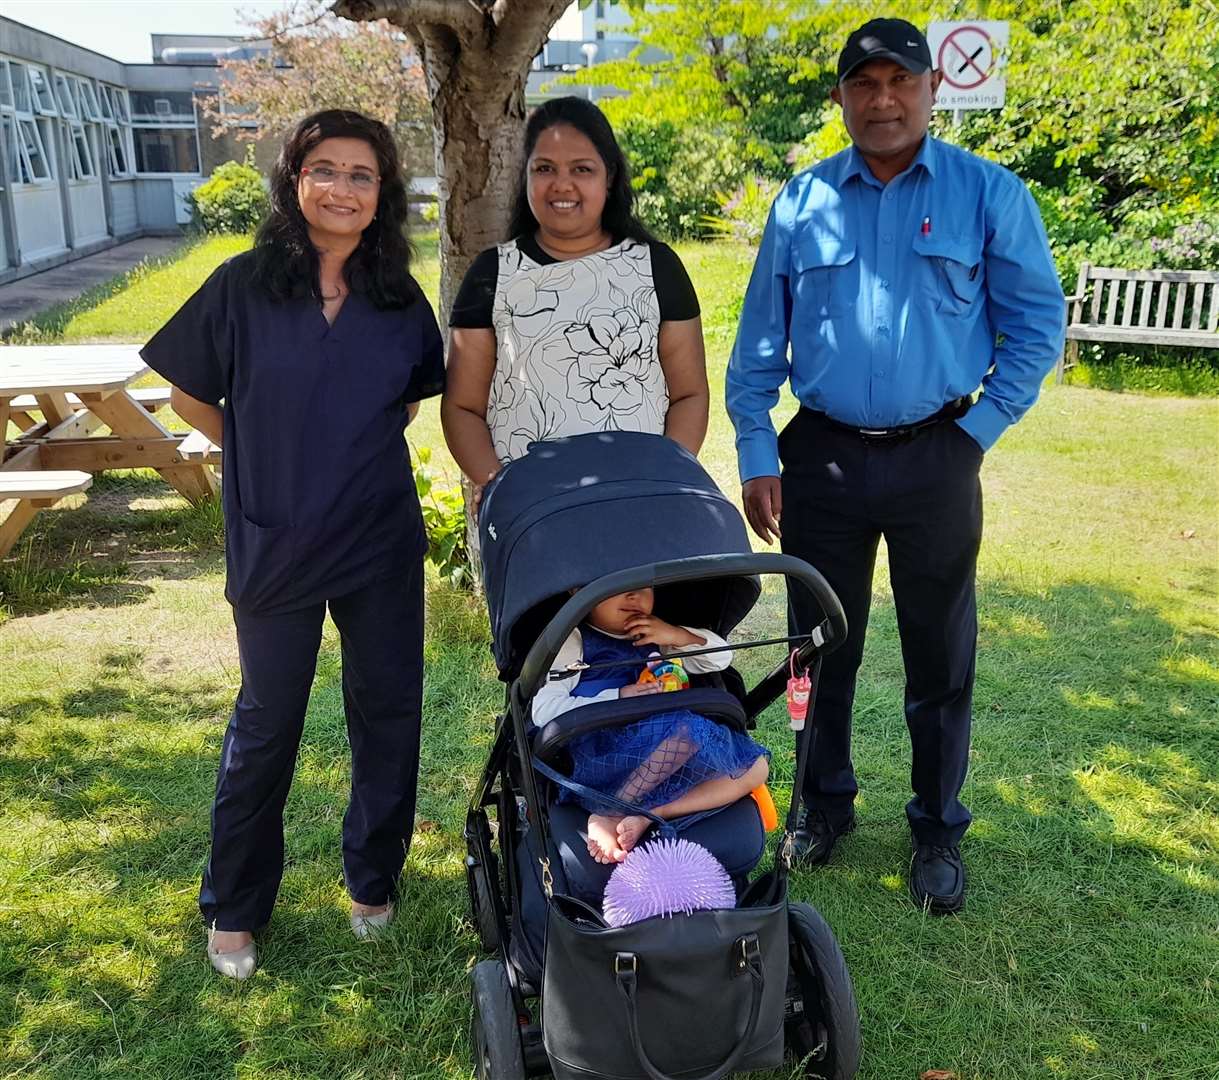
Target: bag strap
(804, 741)
(626, 974)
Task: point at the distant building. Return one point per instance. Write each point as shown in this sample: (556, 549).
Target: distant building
(93, 151)
(603, 34)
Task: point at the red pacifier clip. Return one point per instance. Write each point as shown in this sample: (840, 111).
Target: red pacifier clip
(799, 688)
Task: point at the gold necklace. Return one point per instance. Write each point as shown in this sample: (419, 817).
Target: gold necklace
(603, 242)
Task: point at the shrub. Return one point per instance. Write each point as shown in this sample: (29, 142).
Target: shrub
(676, 174)
(444, 520)
(232, 200)
(743, 213)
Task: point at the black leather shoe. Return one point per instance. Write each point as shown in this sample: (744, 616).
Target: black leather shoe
(816, 835)
(937, 878)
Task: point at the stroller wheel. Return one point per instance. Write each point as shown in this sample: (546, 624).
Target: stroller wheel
(823, 1020)
(495, 1033)
(482, 874)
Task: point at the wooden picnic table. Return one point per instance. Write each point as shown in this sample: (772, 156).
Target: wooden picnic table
(77, 390)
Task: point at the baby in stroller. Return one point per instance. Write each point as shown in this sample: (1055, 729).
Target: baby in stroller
(673, 763)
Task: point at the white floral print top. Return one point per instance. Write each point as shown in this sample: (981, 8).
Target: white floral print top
(576, 347)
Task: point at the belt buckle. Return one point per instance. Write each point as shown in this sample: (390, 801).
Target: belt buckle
(876, 434)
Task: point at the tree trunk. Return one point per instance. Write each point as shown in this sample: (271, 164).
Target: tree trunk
(476, 56)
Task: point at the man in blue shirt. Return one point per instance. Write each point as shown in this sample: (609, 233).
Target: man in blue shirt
(893, 280)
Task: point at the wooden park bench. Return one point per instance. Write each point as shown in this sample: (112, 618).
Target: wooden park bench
(1141, 307)
(34, 490)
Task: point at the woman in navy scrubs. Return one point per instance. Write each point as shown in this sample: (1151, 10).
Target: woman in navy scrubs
(305, 358)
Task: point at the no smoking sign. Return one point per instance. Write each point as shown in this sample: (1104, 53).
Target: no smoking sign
(970, 56)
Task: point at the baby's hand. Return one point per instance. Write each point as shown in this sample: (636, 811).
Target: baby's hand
(638, 690)
(649, 630)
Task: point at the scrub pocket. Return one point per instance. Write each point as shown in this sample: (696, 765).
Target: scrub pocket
(259, 562)
(825, 281)
(951, 271)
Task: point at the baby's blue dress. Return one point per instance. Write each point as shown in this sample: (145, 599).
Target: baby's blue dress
(695, 749)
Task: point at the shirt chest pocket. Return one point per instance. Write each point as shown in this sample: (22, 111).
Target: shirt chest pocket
(825, 281)
(950, 271)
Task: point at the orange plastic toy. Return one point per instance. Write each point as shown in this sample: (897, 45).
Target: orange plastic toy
(766, 807)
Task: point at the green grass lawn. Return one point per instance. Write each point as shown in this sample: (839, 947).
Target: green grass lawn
(1090, 945)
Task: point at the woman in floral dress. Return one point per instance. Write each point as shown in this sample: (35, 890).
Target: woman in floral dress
(581, 322)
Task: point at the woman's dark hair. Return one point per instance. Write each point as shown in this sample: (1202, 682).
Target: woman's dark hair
(618, 218)
(285, 260)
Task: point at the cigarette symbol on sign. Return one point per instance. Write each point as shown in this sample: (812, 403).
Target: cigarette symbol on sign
(967, 58)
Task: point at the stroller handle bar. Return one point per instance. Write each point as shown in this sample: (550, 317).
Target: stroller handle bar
(702, 567)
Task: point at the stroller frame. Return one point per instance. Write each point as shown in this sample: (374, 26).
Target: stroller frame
(821, 1018)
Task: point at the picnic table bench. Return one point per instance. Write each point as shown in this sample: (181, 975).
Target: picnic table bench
(78, 390)
(1142, 307)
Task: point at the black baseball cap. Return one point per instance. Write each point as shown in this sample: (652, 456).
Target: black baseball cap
(885, 39)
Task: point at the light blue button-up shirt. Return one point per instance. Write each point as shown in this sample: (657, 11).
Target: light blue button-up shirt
(894, 299)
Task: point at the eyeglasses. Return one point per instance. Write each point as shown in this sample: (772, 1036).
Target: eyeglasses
(325, 176)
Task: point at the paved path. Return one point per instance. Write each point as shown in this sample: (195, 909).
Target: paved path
(23, 299)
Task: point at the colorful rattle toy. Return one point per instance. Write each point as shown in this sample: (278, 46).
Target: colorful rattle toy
(669, 673)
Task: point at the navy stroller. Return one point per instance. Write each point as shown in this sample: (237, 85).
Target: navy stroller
(600, 514)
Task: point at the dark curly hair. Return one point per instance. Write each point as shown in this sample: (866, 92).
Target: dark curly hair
(285, 261)
(618, 218)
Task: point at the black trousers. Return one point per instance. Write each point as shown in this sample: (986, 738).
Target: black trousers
(381, 629)
(921, 492)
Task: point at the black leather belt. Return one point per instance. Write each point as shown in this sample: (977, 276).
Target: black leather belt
(954, 410)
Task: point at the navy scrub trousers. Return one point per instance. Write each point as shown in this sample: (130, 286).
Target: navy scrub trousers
(922, 492)
(381, 627)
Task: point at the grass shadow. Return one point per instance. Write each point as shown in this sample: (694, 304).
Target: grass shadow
(102, 549)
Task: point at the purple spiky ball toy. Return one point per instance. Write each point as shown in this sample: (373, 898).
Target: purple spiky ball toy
(666, 877)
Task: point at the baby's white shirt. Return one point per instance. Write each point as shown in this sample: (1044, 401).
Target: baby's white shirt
(556, 698)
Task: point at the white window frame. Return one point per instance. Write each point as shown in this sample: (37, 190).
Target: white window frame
(64, 96)
(173, 122)
(27, 126)
(89, 109)
(80, 152)
(6, 85)
(8, 124)
(42, 90)
(20, 84)
(118, 141)
(115, 110)
(136, 128)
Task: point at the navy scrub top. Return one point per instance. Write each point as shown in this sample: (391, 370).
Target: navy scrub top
(318, 495)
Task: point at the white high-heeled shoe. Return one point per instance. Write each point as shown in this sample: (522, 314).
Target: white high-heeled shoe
(239, 964)
(367, 926)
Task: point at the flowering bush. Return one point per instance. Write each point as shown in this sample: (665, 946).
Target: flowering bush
(1194, 246)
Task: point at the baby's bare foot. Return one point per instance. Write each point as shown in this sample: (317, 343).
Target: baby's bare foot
(631, 830)
(603, 839)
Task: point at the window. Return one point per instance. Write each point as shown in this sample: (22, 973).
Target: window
(34, 164)
(163, 106)
(118, 157)
(80, 155)
(166, 150)
(12, 156)
(21, 89)
(44, 100)
(63, 94)
(88, 101)
(6, 89)
(117, 135)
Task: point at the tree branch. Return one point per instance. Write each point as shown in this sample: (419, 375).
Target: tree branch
(464, 16)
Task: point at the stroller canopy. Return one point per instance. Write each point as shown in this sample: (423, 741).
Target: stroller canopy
(575, 509)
